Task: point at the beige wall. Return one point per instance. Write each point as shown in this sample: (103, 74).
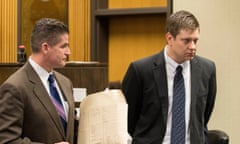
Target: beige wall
(219, 40)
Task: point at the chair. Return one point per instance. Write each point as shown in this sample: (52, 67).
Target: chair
(217, 137)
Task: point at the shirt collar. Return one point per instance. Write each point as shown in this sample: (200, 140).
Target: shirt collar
(172, 64)
(42, 73)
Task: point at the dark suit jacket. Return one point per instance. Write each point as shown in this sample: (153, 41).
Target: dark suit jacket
(27, 113)
(146, 90)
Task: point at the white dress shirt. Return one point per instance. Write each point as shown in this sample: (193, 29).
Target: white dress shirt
(43, 75)
(171, 66)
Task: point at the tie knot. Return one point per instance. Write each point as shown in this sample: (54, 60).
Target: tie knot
(179, 69)
(51, 78)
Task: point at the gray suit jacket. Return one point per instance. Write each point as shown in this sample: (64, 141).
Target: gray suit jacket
(146, 90)
(27, 113)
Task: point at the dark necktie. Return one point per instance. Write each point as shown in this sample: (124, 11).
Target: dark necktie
(56, 100)
(178, 109)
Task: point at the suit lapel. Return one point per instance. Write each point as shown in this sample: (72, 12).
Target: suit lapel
(43, 96)
(68, 96)
(159, 72)
(64, 89)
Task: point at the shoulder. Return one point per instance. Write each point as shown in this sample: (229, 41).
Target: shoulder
(205, 64)
(19, 77)
(149, 61)
(204, 61)
(145, 66)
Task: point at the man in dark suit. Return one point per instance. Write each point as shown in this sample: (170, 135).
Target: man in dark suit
(149, 88)
(28, 114)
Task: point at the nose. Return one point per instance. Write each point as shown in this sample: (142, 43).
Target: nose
(193, 45)
(68, 51)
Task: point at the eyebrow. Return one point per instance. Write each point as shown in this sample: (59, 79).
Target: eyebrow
(64, 45)
(190, 39)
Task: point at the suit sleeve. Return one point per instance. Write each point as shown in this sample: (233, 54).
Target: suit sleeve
(11, 117)
(132, 90)
(210, 99)
(211, 95)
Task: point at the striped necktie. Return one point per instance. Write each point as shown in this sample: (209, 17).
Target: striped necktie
(178, 109)
(56, 100)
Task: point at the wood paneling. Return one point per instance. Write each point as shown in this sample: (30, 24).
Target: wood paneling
(93, 76)
(79, 25)
(8, 30)
(33, 10)
(136, 3)
(132, 38)
(78, 20)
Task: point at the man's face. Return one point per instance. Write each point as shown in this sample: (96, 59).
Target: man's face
(184, 46)
(57, 54)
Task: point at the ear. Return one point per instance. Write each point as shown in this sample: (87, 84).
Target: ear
(169, 38)
(44, 47)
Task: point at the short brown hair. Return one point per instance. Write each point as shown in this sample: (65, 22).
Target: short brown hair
(47, 30)
(181, 20)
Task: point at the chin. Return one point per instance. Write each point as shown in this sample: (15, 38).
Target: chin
(61, 65)
(188, 58)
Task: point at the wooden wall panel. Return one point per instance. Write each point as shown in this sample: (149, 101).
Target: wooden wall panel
(33, 10)
(136, 3)
(132, 38)
(8, 30)
(79, 25)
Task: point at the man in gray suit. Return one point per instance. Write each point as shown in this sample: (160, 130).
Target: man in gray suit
(27, 112)
(149, 88)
